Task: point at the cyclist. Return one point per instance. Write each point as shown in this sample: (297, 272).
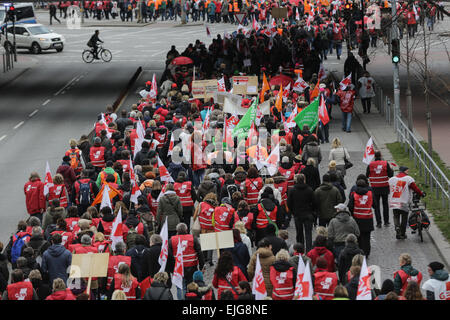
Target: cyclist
(401, 187)
(93, 43)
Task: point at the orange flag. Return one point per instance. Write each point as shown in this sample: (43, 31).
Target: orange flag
(279, 102)
(112, 193)
(265, 87)
(315, 91)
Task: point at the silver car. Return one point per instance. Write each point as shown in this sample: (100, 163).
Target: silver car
(34, 37)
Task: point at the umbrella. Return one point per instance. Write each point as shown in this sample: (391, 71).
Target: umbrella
(281, 79)
(181, 60)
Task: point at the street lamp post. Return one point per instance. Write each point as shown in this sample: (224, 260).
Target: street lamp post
(394, 32)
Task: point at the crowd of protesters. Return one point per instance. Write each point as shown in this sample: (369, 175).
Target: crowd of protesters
(149, 185)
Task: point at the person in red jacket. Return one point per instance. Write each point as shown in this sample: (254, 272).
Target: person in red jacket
(19, 289)
(227, 276)
(320, 250)
(324, 281)
(68, 174)
(346, 100)
(60, 291)
(34, 196)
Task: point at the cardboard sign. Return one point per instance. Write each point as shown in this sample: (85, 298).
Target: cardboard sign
(89, 265)
(224, 240)
(204, 89)
(246, 85)
(279, 13)
(219, 97)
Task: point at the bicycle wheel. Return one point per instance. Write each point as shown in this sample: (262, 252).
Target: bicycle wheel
(420, 232)
(106, 55)
(87, 56)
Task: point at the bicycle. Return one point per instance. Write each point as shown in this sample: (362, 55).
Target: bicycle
(418, 220)
(104, 54)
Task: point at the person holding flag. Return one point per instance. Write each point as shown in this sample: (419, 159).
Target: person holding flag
(346, 99)
(169, 206)
(263, 257)
(193, 259)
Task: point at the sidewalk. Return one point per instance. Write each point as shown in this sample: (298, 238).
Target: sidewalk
(382, 133)
(22, 65)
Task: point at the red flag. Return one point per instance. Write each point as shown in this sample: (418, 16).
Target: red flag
(300, 85)
(322, 74)
(323, 112)
(48, 181)
(345, 82)
(117, 233)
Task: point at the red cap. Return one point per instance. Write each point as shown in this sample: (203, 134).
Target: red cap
(148, 83)
(174, 85)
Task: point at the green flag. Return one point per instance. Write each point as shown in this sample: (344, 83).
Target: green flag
(246, 121)
(309, 116)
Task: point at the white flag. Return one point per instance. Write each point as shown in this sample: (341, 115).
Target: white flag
(48, 181)
(258, 285)
(154, 90)
(221, 85)
(369, 152)
(178, 271)
(163, 173)
(116, 233)
(106, 201)
(162, 260)
(345, 82)
(300, 85)
(364, 292)
(303, 283)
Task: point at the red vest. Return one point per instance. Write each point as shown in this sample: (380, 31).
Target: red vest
(252, 188)
(205, 216)
(223, 285)
(107, 228)
(190, 258)
(261, 219)
(113, 267)
(162, 137)
(102, 247)
(145, 284)
(406, 278)
(324, 284)
(283, 284)
(378, 174)
(363, 205)
(153, 203)
(283, 188)
(125, 165)
(20, 291)
(58, 192)
(289, 174)
(82, 249)
(97, 156)
(183, 191)
(129, 291)
(71, 223)
(222, 218)
(66, 236)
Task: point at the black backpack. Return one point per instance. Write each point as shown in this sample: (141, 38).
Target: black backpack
(85, 193)
(232, 188)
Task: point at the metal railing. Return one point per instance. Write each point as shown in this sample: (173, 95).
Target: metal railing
(8, 60)
(434, 177)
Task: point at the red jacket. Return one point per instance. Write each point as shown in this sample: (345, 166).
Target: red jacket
(34, 196)
(222, 284)
(347, 100)
(317, 252)
(61, 295)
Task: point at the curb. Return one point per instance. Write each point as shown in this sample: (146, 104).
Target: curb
(188, 25)
(15, 78)
(440, 243)
(140, 25)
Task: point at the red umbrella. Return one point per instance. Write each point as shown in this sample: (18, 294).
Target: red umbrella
(181, 60)
(281, 79)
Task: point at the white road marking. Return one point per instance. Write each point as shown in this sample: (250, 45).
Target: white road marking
(68, 83)
(3, 137)
(33, 113)
(46, 102)
(18, 125)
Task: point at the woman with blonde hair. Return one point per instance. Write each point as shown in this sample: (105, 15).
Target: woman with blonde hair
(283, 287)
(58, 191)
(118, 295)
(340, 293)
(60, 291)
(338, 153)
(123, 280)
(332, 169)
(101, 243)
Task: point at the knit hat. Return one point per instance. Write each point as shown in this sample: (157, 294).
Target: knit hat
(403, 169)
(435, 266)
(197, 276)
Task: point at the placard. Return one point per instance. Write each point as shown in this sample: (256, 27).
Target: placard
(242, 83)
(279, 13)
(224, 240)
(89, 265)
(219, 97)
(204, 89)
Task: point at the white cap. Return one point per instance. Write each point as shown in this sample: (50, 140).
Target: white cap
(341, 207)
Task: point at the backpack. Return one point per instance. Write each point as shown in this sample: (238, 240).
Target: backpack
(85, 193)
(324, 35)
(16, 249)
(131, 237)
(74, 162)
(218, 184)
(232, 188)
(137, 261)
(37, 252)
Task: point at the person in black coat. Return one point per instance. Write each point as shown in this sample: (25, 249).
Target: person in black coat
(159, 290)
(137, 256)
(350, 250)
(42, 288)
(352, 285)
(301, 203)
(150, 264)
(312, 174)
(276, 242)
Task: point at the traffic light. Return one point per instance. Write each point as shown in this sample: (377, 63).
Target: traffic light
(347, 10)
(395, 51)
(11, 13)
